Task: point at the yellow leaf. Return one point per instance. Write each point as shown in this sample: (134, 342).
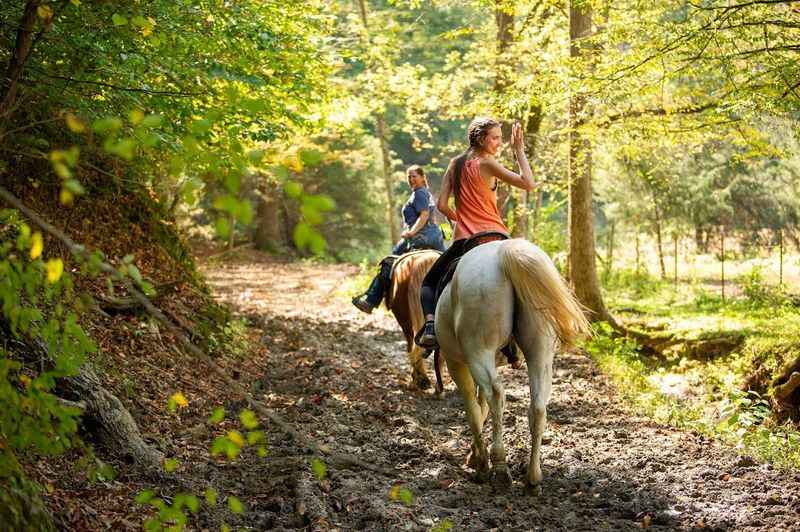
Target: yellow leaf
(147, 31)
(75, 3)
(74, 124)
(180, 399)
(37, 245)
(44, 12)
(236, 438)
(66, 197)
(25, 380)
(136, 116)
(54, 270)
(151, 20)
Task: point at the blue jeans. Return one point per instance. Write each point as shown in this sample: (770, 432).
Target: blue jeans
(429, 238)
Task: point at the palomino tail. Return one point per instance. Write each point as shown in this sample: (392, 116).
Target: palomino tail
(540, 287)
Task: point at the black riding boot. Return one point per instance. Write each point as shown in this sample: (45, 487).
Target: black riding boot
(377, 288)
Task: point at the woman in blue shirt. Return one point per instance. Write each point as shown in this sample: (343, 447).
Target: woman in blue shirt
(419, 232)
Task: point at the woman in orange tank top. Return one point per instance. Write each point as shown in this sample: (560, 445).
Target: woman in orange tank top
(472, 179)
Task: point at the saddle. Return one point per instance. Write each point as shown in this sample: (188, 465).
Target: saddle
(471, 243)
(390, 262)
(510, 349)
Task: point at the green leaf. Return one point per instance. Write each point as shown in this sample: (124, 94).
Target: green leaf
(311, 157)
(310, 214)
(255, 436)
(321, 202)
(316, 243)
(302, 235)
(192, 503)
(406, 496)
(106, 125)
(118, 20)
(223, 227)
(201, 127)
(74, 186)
(319, 468)
(170, 464)
(217, 416)
(134, 272)
(211, 496)
(144, 496)
(248, 419)
(151, 121)
(235, 505)
(293, 189)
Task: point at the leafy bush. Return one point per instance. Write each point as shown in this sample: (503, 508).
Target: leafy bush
(757, 291)
(637, 283)
(38, 306)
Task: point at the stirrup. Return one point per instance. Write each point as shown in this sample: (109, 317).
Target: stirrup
(426, 337)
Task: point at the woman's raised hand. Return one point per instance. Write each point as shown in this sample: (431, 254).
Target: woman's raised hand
(517, 143)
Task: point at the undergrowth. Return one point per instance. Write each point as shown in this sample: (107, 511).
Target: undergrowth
(716, 406)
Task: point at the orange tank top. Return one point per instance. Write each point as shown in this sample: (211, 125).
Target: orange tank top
(476, 208)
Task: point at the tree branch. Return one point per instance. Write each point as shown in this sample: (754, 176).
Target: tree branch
(126, 89)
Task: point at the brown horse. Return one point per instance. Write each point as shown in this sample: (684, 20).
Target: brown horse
(403, 300)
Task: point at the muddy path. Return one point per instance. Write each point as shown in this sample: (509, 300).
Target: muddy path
(342, 377)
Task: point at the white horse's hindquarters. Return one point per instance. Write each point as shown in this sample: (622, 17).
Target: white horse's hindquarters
(483, 321)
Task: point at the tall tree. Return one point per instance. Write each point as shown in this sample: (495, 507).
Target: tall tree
(380, 131)
(582, 266)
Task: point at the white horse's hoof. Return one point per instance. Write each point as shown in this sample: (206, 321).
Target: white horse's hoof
(501, 478)
(534, 490)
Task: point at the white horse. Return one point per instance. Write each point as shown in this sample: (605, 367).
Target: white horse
(501, 289)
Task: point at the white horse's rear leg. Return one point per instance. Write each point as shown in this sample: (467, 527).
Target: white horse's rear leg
(478, 457)
(539, 351)
(485, 374)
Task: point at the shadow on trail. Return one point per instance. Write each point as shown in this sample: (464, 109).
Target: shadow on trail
(346, 385)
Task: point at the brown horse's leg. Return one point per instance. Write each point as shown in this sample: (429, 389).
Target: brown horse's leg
(478, 457)
(419, 376)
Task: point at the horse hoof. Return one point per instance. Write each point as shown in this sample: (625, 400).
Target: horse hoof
(501, 479)
(482, 476)
(421, 382)
(534, 490)
(474, 461)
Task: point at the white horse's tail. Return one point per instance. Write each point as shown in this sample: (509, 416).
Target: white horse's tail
(540, 288)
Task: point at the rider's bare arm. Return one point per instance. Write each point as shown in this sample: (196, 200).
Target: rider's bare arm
(523, 180)
(418, 225)
(443, 202)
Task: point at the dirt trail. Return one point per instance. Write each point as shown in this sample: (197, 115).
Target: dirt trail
(342, 377)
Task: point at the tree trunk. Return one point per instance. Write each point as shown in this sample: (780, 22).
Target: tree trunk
(16, 64)
(675, 259)
(394, 233)
(267, 234)
(780, 266)
(582, 265)
(380, 130)
(659, 244)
